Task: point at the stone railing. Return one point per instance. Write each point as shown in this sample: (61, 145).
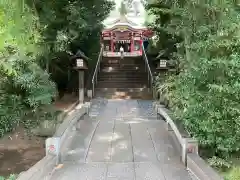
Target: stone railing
(55, 145)
(188, 147)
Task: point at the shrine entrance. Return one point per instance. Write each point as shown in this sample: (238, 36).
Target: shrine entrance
(124, 33)
(122, 43)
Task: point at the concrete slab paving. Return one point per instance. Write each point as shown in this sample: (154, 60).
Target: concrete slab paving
(121, 147)
(81, 171)
(148, 171)
(78, 147)
(100, 149)
(142, 144)
(120, 171)
(125, 141)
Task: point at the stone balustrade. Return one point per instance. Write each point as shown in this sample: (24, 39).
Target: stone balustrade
(188, 147)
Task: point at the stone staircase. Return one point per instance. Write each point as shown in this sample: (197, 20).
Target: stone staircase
(124, 79)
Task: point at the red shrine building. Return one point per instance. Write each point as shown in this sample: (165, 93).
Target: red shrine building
(124, 33)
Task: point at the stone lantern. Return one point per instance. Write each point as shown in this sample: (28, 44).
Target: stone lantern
(162, 64)
(80, 66)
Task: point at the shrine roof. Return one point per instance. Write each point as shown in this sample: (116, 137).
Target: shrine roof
(124, 20)
(134, 18)
(80, 54)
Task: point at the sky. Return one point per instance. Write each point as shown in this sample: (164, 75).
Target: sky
(115, 13)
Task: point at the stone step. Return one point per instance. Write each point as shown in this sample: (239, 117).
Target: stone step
(119, 64)
(122, 82)
(122, 78)
(122, 75)
(113, 90)
(124, 93)
(116, 77)
(121, 85)
(126, 96)
(122, 70)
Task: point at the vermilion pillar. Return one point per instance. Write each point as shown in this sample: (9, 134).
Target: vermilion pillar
(132, 45)
(140, 43)
(112, 49)
(131, 42)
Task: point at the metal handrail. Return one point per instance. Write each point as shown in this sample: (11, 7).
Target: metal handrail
(97, 68)
(150, 75)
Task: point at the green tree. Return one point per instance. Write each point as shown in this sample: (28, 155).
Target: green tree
(37, 39)
(68, 26)
(205, 95)
(24, 86)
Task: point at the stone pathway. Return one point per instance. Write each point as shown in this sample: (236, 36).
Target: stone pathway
(121, 140)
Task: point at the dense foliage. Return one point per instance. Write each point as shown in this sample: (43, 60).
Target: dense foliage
(11, 177)
(234, 174)
(205, 95)
(66, 27)
(24, 85)
(36, 40)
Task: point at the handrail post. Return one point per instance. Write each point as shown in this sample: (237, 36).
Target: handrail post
(96, 71)
(96, 78)
(148, 70)
(93, 89)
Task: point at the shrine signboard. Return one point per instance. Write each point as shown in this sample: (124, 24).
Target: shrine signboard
(122, 28)
(53, 146)
(163, 63)
(106, 38)
(118, 54)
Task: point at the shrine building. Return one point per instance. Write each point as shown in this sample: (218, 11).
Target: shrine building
(124, 33)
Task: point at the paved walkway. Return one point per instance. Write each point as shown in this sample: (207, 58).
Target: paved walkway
(121, 140)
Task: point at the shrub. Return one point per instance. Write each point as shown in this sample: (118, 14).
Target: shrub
(24, 86)
(219, 163)
(205, 95)
(11, 177)
(234, 174)
(208, 104)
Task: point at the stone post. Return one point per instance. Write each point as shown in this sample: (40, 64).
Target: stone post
(80, 67)
(81, 86)
(192, 145)
(189, 145)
